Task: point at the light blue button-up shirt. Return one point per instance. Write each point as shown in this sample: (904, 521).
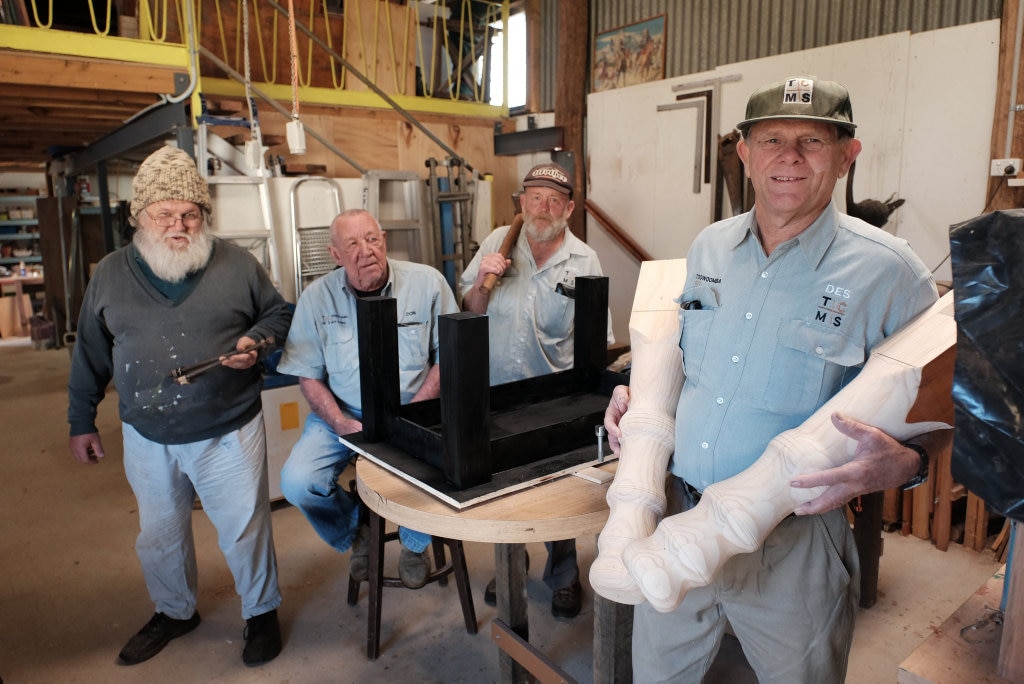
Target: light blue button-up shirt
(530, 322)
(774, 337)
(323, 342)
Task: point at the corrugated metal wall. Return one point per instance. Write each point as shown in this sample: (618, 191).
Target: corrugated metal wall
(704, 34)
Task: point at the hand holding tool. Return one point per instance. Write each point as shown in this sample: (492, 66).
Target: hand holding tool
(507, 245)
(184, 375)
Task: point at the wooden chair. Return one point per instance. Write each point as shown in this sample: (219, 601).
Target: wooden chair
(377, 581)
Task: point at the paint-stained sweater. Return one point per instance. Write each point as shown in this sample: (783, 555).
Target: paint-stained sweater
(129, 332)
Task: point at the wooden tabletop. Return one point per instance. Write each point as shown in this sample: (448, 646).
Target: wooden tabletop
(565, 508)
(21, 280)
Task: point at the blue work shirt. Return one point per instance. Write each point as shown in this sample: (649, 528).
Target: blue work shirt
(323, 343)
(774, 337)
(531, 317)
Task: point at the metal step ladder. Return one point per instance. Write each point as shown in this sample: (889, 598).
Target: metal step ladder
(451, 199)
(310, 255)
(395, 199)
(239, 176)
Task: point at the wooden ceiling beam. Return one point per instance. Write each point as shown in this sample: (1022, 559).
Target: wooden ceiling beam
(26, 68)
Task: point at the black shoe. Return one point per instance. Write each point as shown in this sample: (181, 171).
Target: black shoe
(491, 590)
(262, 636)
(156, 634)
(359, 563)
(565, 603)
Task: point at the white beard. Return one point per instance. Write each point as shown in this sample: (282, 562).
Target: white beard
(170, 264)
(552, 232)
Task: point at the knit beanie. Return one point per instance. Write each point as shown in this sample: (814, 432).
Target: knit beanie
(169, 174)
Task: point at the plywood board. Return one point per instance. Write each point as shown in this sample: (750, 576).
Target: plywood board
(10, 316)
(965, 648)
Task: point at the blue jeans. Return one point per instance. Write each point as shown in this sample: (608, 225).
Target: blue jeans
(309, 480)
(229, 474)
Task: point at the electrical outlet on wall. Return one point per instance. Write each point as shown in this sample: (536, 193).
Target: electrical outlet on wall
(1005, 167)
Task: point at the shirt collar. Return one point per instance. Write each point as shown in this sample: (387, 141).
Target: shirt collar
(813, 242)
(389, 286)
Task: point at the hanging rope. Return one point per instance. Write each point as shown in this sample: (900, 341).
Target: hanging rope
(254, 124)
(293, 50)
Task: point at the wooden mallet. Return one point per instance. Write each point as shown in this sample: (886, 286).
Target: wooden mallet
(506, 248)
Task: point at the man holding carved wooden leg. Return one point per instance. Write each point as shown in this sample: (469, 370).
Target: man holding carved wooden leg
(531, 320)
(780, 310)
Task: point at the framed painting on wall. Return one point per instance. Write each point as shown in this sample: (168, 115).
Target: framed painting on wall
(630, 54)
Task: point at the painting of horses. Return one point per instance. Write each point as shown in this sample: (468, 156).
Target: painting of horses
(630, 54)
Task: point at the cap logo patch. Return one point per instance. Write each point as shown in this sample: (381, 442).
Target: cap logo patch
(798, 91)
(550, 172)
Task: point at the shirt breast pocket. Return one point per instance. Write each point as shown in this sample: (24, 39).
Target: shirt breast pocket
(341, 353)
(807, 367)
(696, 313)
(555, 315)
(413, 346)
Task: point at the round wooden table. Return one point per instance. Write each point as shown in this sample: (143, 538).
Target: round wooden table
(565, 508)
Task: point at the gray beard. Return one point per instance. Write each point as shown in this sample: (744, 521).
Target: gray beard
(171, 264)
(552, 232)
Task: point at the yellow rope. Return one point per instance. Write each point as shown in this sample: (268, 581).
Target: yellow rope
(35, 13)
(92, 16)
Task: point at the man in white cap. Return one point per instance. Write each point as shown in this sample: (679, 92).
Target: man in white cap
(531, 321)
(174, 297)
(780, 309)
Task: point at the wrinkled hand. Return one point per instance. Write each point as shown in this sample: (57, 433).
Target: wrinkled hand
(87, 449)
(617, 407)
(879, 462)
(492, 263)
(241, 361)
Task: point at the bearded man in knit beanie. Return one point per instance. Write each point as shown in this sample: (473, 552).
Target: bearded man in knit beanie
(172, 298)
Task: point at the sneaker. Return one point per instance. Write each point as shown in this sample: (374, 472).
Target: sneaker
(359, 564)
(156, 634)
(262, 636)
(565, 603)
(413, 568)
(491, 590)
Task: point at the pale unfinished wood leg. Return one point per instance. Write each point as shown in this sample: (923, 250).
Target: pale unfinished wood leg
(736, 515)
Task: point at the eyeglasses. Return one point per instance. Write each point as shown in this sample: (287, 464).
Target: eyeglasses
(165, 219)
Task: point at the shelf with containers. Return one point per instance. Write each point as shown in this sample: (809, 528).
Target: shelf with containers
(19, 231)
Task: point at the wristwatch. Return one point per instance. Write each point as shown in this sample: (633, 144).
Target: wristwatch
(922, 472)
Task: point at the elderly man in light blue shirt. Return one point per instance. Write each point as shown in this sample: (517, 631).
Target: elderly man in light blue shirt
(531, 320)
(780, 309)
(322, 349)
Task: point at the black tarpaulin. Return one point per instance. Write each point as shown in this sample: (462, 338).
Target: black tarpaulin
(988, 383)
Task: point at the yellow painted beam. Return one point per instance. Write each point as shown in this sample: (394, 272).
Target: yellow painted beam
(346, 98)
(74, 44)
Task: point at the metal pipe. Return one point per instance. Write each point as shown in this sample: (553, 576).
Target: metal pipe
(1013, 80)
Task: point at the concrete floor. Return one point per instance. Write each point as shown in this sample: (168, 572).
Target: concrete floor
(72, 592)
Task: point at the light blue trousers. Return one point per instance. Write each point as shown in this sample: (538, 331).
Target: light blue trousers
(229, 474)
(309, 480)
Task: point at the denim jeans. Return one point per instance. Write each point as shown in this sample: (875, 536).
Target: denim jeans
(309, 480)
(229, 473)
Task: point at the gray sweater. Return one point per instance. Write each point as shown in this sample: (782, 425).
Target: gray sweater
(129, 331)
